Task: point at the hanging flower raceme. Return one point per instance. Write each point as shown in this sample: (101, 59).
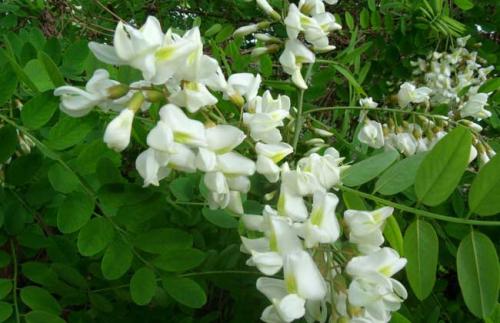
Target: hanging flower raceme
(300, 236)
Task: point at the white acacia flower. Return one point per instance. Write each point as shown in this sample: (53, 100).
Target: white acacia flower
(118, 131)
(385, 261)
(77, 102)
(235, 164)
(292, 58)
(152, 166)
(185, 130)
(311, 7)
(241, 85)
(276, 152)
(405, 143)
(301, 183)
(368, 103)
(365, 228)
(372, 134)
(322, 225)
(181, 57)
(161, 137)
(475, 107)
(285, 307)
(134, 47)
(268, 252)
(267, 167)
(206, 160)
(291, 205)
(182, 158)
(193, 96)
(222, 139)
(409, 93)
(326, 169)
(302, 276)
(377, 294)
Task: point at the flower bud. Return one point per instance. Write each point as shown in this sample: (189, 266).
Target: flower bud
(322, 132)
(117, 91)
(266, 38)
(154, 96)
(266, 7)
(245, 30)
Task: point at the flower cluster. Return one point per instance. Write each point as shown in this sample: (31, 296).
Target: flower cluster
(451, 79)
(321, 262)
(308, 26)
(301, 235)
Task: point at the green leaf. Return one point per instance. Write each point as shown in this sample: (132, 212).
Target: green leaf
(39, 110)
(353, 201)
(442, 168)
(95, 236)
(5, 287)
(399, 176)
(42, 317)
(368, 169)
(485, 190)
(183, 187)
(5, 311)
(162, 240)
(371, 5)
(51, 68)
(179, 260)
(214, 29)
(8, 79)
(348, 75)
(35, 70)
(74, 212)
(143, 286)
(349, 20)
(61, 179)
(464, 4)
(399, 318)
(38, 299)
(8, 138)
(21, 75)
(364, 19)
(224, 34)
(478, 273)
(69, 132)
(220, 218)
(393, 234)
(75, 56)
(117, 260)
(490, 85)
(185, 291)
(421, 247)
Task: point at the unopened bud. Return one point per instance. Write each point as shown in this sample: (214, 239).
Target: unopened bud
(266, 7)
(315, 141)
(210, 124)
(153, 96)
(312, 151)
(258, 51)
(322, 132)
(245, 30)
(237, 99)
(263, 24)
(117, 91)
(266, 38)
(136, 102)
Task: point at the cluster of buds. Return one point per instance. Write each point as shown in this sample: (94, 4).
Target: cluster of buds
(446, 78)
(308, 26)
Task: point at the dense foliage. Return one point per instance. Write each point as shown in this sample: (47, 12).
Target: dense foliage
(410, 107)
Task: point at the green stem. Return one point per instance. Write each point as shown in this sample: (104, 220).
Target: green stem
(418, 211)
(203, 273)
(14, 279)
(298, 118)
